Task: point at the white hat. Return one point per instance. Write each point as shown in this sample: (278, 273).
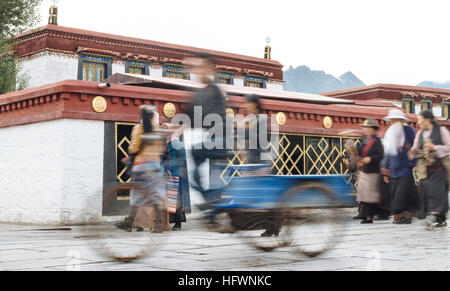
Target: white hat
(396, 114)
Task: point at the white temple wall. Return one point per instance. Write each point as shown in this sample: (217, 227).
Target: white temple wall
(52, 172)
(82, 171)
(275, 86)
(46, 68)
(51, 67)
(437, 111)
(118, 67)
(31, 167)
(156, 71)
(239, 81)
(418, 108)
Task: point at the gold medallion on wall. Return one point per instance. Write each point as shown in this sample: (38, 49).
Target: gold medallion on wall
(327, 122)
(99, 104)
(281, 118)
(230, 112)
(169, 110)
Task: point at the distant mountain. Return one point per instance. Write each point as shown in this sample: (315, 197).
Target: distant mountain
(303, 79)
(432, 84)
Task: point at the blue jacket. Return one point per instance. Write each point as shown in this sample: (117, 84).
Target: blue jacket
(177, 165)
(177, 159)
(401, 165)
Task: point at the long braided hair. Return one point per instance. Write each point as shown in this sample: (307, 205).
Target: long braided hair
(147, 114)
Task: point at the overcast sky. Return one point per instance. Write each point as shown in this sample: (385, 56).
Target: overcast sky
(383, 41)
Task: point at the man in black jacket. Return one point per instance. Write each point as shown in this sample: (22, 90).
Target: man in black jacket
(207, 101)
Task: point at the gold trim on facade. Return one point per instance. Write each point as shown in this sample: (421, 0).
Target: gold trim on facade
(169, 110)
(327, 122)
(230, 111)
(281, 118)
(99, 104)
(121, 146)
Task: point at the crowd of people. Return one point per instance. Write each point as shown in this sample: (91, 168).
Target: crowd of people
(406, 174)
(159, 155)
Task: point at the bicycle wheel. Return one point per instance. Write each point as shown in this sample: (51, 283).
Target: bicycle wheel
(114, 243)
(311, 224)
(261, 230)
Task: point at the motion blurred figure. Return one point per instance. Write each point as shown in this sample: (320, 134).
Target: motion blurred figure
(432, 147)
(371, 154)
(256, 165)
(252, 128)
(147, 169)
(397, 167)
(210, 100)
(349, 160)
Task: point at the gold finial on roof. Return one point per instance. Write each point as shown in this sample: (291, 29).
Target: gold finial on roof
(53, 14)
(268, 49)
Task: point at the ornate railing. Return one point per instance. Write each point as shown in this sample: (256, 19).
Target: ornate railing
(299, 154)
(296, 154)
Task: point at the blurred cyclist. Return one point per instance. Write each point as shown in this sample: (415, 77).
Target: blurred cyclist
(207, 102)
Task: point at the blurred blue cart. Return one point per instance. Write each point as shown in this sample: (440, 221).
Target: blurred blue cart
(301, 212)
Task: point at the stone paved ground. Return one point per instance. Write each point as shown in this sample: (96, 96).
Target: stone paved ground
(381, 246)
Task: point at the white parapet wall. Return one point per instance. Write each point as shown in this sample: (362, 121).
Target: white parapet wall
(275, 86)
(52, 172)
(49, 67)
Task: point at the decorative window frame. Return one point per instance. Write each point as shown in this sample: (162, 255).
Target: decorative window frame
(94, 58)
(145, 66)
(426, 101)
(412, 106)
(445, 104)
(224, 75)
(171, 68)
(255, 79)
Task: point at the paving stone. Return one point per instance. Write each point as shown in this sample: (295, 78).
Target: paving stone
(381, 246)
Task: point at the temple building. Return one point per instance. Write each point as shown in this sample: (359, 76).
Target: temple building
(54, 53)
(412, 99)
(64, 136)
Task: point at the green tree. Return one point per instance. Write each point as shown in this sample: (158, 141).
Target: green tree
(16, 16)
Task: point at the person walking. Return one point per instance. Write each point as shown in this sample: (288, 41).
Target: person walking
(432, 148)
(147, 169)
(349, 161)
(253, 157)
(252, 127)
(397, 167)
(370, 153)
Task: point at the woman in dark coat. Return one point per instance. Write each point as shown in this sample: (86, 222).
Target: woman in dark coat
(176, 166)
(432, 147)
(370, 156)
(397, 167)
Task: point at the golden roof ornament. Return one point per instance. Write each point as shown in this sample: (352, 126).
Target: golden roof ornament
(268, 49)
(53, 14)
